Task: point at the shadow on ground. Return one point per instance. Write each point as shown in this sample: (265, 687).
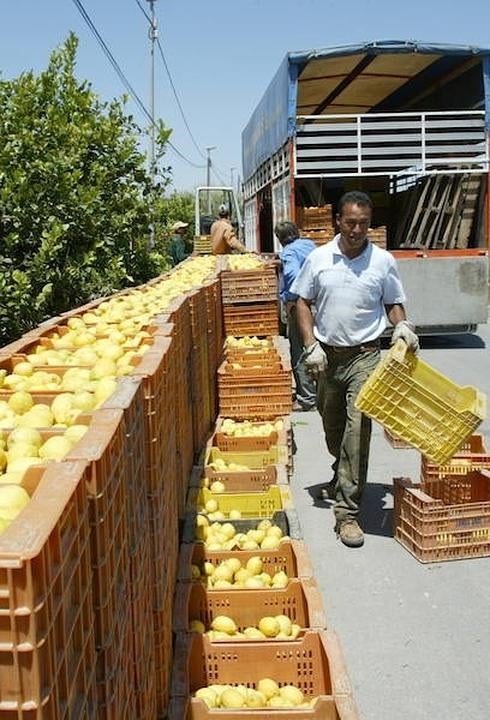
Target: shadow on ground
(376, 516)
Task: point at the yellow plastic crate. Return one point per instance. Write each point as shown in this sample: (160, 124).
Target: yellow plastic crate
(420, 405)
(251, 504)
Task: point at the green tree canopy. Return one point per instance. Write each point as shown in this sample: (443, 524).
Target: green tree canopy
(76, 201)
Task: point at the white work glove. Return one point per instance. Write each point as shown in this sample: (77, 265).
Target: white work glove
(314, 358)
(405, 330)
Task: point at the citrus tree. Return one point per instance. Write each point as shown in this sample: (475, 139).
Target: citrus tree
(76, 202)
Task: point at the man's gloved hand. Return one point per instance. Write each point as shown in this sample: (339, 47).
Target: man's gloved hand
(315, 359)
(405, 330)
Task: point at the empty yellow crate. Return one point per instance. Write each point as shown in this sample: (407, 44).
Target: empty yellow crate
(420, 405)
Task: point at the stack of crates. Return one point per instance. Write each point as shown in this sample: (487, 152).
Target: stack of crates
(250, 304)
(447, 515)
(254, 385)
(250, 461)
(47, 640)
(316, 223)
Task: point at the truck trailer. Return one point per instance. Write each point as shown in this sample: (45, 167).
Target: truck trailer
(406, 122)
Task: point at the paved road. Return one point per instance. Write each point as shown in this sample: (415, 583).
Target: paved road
(416, 637)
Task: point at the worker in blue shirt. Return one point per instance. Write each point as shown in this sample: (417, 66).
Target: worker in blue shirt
(294, 253)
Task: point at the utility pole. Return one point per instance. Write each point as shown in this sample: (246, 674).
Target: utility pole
(208, 174)
(232, 170)
(152, 34)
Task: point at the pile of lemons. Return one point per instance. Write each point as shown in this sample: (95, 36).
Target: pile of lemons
(231, 574)
(266, 694)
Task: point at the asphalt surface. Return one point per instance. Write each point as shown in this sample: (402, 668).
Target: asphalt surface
(416, 637)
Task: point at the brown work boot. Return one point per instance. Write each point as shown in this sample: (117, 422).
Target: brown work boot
(349, 532)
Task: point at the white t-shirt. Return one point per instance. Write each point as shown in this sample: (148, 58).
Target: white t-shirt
(349, 295)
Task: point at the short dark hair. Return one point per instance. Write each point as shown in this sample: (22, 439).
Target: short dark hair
(354, 197)
(286, 232)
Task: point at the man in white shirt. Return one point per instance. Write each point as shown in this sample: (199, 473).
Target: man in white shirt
(355, 288)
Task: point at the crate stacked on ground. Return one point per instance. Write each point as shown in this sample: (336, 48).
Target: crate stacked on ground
(212, 290)
(202, 407)
(447, 515)
(47, 643)
(250, 301)
(316, 223)
(247, 606)
(255, 387)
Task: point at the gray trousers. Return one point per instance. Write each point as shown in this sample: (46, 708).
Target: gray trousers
(347, 431)
(305, 384)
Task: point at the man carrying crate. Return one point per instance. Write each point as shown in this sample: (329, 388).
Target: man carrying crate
(355, 288)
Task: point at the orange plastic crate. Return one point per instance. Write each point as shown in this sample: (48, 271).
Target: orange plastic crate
(451, 523)
(314, 663)
(301, 601)
(248, 286)
(251, 319)
(129, 397)
(340, 707)
(47, 646)
(472, 456)
(291, 556)
(164, 656)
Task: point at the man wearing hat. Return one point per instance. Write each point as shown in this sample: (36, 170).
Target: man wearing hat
(176, 246)
(223, 237)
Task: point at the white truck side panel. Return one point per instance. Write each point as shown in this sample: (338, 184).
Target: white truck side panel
(445, 291)
(250, 219)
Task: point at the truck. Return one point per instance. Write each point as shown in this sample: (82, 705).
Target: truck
(404, 121)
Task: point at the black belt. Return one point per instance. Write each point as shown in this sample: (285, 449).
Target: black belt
(370, 346)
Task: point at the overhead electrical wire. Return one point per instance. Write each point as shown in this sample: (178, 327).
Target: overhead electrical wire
(177, 99)
(79, 5)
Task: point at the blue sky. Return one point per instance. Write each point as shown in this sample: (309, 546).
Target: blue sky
(221, 55)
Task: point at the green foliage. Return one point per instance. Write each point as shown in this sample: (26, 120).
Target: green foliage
(76, 201)
(177, 206)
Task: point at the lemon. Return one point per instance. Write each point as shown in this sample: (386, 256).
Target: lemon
(280, 579)
(223, 623)
(13, 499)
(217, 487)
(234, 563)
(285, 624)
(208, 695)
(20, 450)
(23, 368)
(20, 465)
(55, 448)
(29, 436)
(255, 565)
(232, 698)
(291, 694)
(197, 626)
(211, 505)
(235, 514)
(268, 688)
(270, 542)
(75, 433)
(223, 572)
(269, 626)
(20, 402)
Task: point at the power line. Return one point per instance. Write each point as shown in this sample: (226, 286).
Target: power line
(78, 4)
(179, 104)
(143, 10)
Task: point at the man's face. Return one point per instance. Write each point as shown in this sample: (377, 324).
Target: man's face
(353, 222)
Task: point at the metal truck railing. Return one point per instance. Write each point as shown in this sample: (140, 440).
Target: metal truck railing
(412, 143)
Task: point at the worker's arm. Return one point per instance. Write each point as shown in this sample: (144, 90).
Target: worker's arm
(304, 318)
(233, 242)
(396, 313)
(404, 329)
